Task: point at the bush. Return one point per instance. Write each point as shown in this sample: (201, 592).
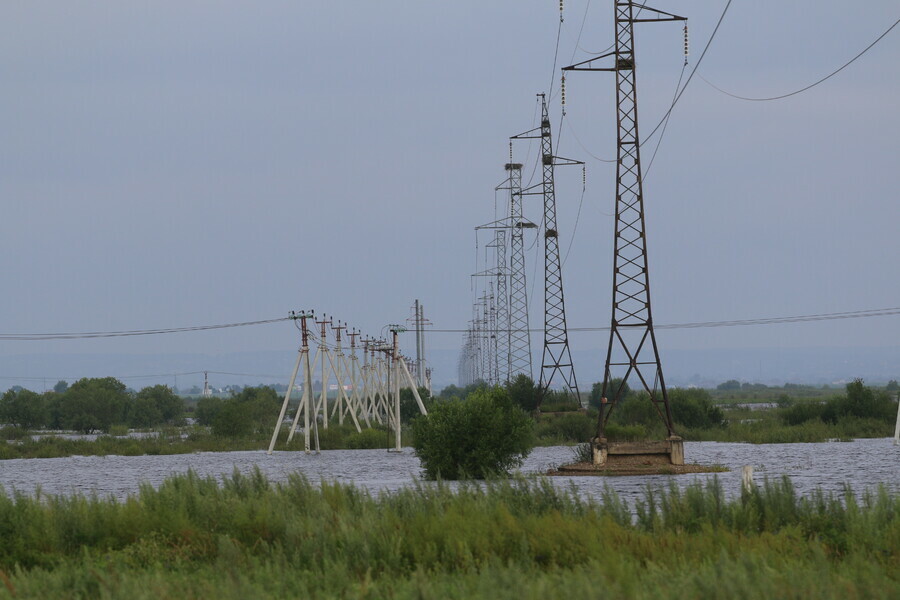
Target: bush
(859, 403)
(636, 409)
(575, 427)
(523, 392)
(693, 408)
(615, 385)
(369, 439)
(485, 434)
(409, 408)
(802, 412)
(253, 410)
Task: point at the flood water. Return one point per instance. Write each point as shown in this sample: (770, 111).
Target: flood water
(862, 464)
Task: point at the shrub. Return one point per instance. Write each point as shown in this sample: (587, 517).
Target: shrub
(615, 385)
(409, 408)
(523, 392)
(802, 412)
(636, 409)
(484, 434)
(368, 439)
(574, 427)
(693, 408)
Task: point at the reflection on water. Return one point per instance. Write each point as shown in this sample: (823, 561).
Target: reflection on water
(861, 464)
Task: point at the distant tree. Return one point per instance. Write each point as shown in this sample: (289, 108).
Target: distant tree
(143, 412)
(693, 408)
(860, 401)
(614, 384)
(452, 392)
(93, 404)
(168, 405)
(60, 387)
(23, 408)
(207, 409)
(253, 410)
(409, 408)
(731, 384)
(892, 386)
(523, 392)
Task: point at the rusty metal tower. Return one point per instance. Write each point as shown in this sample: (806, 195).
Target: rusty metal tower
(502, 307)
(519, 333)
(632, 351)
(557, 358)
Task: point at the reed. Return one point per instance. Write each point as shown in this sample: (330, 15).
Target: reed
(245, 536)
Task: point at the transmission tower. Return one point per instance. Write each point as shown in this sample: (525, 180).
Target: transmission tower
(519, 333)
(632, 347)
(557, 357)
(502, 307)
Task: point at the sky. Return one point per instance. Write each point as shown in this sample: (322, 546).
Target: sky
(171, 164)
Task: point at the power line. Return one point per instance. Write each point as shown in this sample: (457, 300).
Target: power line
(858, 314)
(810, 86)
(691, 76)
(129, 333)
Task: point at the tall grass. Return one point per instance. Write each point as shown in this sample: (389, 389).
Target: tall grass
(248, 537)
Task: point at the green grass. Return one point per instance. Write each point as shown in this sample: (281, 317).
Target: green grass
(247, 537)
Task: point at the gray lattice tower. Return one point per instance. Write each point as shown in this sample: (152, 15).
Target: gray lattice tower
(632, 352)
(519, 333)
(557, 359)
(502, 303)
(493, 379)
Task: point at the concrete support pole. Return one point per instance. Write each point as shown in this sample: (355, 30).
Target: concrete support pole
(897, 426)
(412, 385)
(287, 399)
(747, 484)
(342, 396)
(307, 395)
(396, 382)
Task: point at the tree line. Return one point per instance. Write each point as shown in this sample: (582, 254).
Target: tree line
(91, 405)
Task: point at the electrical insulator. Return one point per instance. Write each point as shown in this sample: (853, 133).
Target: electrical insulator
(685, 43)
(561, 11)
(583, 176)
(562, 90)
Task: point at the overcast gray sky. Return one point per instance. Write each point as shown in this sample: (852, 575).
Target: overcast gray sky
(167, 164)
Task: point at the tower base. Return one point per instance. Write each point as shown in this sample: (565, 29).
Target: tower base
(669, 451)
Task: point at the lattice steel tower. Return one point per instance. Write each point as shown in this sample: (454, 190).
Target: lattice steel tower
(556, 358)
(519, 334)
(632, 343)
(502, 303)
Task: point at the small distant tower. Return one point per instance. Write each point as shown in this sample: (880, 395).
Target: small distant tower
(206, 391)
(519, 332)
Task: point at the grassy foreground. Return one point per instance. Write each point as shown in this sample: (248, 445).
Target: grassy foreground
(246, 537)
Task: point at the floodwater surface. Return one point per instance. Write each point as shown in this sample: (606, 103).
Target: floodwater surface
(861, 464)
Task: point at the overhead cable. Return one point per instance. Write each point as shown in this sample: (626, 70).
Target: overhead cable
(810, 86)
(130, 333)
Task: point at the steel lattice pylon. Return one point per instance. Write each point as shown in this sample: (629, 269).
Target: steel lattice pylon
(502, 303)
(556, 357)
(632, 347)
(519, 333)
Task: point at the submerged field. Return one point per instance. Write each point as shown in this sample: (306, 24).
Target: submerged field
(246, 537)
